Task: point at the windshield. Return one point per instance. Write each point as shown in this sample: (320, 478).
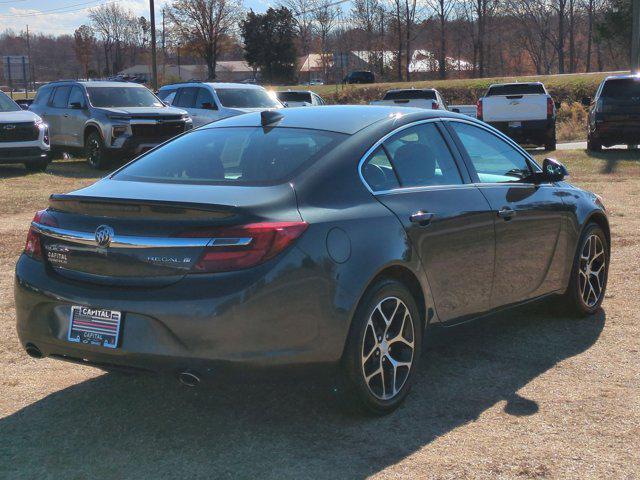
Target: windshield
(516, 89)
(624, 88)
(8, 105)
(410, 95)
(294, 96)
(235, 155)
(246, 98)
(106, 97)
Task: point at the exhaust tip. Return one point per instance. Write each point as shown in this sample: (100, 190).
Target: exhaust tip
(33, 351)
(189, 379)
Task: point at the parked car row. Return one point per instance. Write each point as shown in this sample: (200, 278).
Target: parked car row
(107, 120)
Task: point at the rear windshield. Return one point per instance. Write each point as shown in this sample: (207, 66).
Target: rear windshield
(8, 105)
(294, 96)
(234, 155)
(516, 89)
(411, 95)
(621, 88)
(246, 98)
(106, 97)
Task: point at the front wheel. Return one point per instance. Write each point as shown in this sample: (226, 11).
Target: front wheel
(589, 273)
(95, 151)
(383, 348)
(39, 166)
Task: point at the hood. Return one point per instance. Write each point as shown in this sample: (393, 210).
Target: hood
(145, 111)
(19, 116)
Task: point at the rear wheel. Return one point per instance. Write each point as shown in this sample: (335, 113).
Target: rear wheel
(95, 151)
(382, 349)
(589, 273)
(550, 144)
(593, 145)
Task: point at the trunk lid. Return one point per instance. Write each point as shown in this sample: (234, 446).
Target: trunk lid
(125, 233)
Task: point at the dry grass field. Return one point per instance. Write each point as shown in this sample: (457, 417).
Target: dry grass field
(528, 394)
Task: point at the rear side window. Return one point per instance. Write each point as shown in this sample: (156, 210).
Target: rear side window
(294, 96)
(411, 95)
(237, 155)
(621, 88)
(60, 97)
(246, 98)
(417, 156)
(516, 89)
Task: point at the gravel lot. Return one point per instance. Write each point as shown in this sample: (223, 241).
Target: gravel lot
(528, 394)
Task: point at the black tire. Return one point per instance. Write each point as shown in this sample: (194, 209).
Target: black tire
(550, 145)
(39, 166)
(593, 145)
(371, 397)
(574, 298)
(95, 151)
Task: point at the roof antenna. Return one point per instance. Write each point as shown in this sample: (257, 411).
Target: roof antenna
(269, 117)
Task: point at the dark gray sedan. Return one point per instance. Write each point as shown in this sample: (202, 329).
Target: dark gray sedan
(317, 236)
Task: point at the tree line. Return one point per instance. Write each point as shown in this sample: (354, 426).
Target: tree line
(476, 38)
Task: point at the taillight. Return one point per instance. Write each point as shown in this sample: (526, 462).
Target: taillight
(549, 107)
(435, 105)
(32, 246)
(479, 109)
(244, 246)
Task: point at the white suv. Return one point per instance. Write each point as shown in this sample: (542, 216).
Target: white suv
(208, 102)
(24, 137)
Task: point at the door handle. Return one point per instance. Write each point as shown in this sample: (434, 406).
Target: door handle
(506, 213)
(66, 115)
(422, 218)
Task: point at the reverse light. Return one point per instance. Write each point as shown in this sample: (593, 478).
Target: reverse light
(479, 109)
(244, 246)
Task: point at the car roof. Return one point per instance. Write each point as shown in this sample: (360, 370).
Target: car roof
(214, 85)
(623, 76)
(96, 83)
(515, 83)
(412, 90)
(347, 119)
(293, 91)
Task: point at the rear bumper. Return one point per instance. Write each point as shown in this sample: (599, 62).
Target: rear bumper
(22, 155)
(535, 132)
(616, 132)
(200, 322)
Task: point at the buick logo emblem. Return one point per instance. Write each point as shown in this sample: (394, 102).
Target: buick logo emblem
(104, 235)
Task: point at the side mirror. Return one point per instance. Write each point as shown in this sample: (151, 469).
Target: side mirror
(75, 105)
(586, 101)
(208, 106)
(553, 170)
(455, 110)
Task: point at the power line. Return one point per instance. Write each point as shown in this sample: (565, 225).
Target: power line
(58, 10)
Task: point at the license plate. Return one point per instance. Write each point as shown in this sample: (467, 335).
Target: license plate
(94, 326)
(515, 124)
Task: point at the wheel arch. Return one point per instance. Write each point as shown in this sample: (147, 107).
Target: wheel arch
(599, 218)
(91, 127)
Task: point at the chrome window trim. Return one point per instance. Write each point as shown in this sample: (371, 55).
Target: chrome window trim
(380, 141)
(132, 241)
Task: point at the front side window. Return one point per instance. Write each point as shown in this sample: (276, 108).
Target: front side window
(233, 155)
(76, 97)
(294, 96)
(204, 99)
(621, 88)
(114, 97)
(246, 98)
(186, 97)
(60, 97)
(494, 160)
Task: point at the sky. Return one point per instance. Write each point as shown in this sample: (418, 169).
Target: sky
(64, 16)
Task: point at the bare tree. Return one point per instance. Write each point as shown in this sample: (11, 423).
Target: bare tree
(83, 46)
(442, 9)
(303, 15)
(112, 22)
(203, 24)
(560, 8)
(410, 11)
(535, 31)
(325, 16)
(368, 17)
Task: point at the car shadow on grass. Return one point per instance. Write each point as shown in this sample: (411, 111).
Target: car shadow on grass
(70, 168)
(117, 426)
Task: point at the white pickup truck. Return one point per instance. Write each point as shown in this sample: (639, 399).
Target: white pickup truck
(524, 111)
(428, 98)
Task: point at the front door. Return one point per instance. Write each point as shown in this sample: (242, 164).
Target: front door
(447, 219)
(528, 216)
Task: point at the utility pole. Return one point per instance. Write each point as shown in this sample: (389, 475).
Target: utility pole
(164, 57)
(33, 80)
(635, 38)
(154, 64)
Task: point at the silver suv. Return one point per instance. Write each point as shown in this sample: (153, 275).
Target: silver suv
(106, 120)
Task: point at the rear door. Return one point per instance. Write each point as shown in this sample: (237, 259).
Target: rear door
(449, 222)
(528, 216)
(57, 109)
(75, 117)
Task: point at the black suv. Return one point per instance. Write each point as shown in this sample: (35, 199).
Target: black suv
(614, 113)
(360, 77)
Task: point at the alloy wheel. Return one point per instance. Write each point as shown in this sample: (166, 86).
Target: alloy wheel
(591, 274)
(94, 151)
(388, 348)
